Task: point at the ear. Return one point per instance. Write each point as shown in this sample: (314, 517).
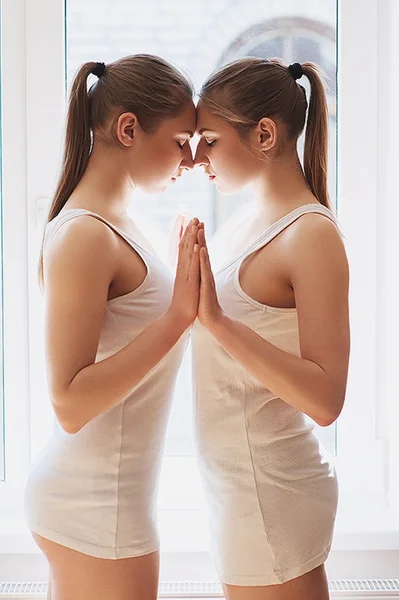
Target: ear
(125, 129)
(266, 134)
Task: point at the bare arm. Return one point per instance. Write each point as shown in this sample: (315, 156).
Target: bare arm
(314, 383)
(80, 265)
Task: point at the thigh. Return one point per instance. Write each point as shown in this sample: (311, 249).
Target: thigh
(77, 576)
(311, 586)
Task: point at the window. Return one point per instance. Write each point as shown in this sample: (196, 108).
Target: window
(117, 28)
(198, 36)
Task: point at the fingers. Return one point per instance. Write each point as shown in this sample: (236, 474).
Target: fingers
(191, 241)
(193, 222)
(186, 249)
(185, 220)
(186, 234)
(201, 236)
(205, 263)
(192, 253)
(194, 270)
(183, 224)
(205, 266)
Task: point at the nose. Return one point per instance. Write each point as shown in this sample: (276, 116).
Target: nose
(201, 159)
(187, 163)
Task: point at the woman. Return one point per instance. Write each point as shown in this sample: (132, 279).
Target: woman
(272, 344)
(114, 332)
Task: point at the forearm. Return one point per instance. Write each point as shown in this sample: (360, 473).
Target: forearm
(301, 383)
(101, 385)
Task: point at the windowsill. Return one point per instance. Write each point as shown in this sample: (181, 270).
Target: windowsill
(186, 531)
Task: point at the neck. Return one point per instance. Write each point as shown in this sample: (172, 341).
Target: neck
(106, 186)
(282, 187)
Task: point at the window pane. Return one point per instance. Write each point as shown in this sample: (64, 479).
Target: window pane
(306, 50)
(199, 36)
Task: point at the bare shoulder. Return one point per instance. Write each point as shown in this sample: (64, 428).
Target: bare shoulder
(314, 243)
(81, 242)
(314, 228)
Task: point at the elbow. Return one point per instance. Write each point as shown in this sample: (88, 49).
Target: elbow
(326, 421)
(64, 416)
(331, 412)
(67, 423)
(69, 427)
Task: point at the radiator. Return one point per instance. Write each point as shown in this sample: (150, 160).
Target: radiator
(344, 589)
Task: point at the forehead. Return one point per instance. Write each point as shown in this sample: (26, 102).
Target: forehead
(207, 120)
(187, 120)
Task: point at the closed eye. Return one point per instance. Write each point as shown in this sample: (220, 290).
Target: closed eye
(210, 144)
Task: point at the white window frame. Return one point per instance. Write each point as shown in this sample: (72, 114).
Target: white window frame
(15, 244)
(33, 117)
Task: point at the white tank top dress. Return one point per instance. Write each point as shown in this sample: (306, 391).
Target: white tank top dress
(95, 491)
(271, 490)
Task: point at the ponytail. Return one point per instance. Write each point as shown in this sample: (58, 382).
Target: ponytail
(76, 148)
(316, 137)
(248, 89)
(145, 85)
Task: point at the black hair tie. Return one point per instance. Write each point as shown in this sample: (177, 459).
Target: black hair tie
(296, 70)
(99, 69)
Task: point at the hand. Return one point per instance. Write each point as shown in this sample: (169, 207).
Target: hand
(209, 309)
(175, 237)
(184, 305)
